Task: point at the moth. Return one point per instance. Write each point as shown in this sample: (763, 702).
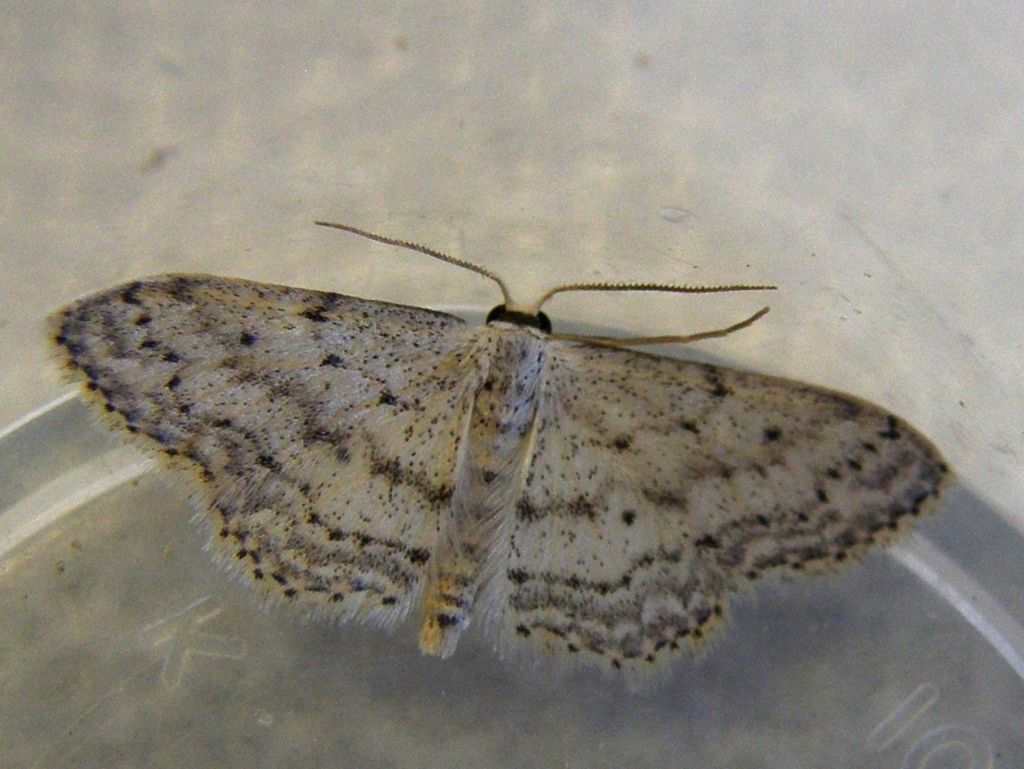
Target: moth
(363, 459)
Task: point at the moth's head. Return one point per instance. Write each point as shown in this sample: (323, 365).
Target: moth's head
(536, 320)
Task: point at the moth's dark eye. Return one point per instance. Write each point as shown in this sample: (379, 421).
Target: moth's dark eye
(538, 321)
(495, 314)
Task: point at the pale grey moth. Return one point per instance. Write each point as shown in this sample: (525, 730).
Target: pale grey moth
(360, 459)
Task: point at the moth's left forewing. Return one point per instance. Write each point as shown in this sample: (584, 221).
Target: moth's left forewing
(321, 430)
(657, 486)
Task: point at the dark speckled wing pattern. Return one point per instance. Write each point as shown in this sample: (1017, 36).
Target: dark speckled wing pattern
(279, 399)
(359, 457)
(657, 486)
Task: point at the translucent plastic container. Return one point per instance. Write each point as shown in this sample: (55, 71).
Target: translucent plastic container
(864, 157)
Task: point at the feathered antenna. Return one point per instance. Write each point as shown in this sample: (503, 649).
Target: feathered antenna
(666, 287)
(424, 250)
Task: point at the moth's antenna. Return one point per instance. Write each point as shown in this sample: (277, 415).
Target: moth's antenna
(636, 341)
(644, 287)
(424, 250)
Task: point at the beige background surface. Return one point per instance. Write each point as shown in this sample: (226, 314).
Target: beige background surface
(866, 157)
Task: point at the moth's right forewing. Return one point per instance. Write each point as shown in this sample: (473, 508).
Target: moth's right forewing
(657, 486)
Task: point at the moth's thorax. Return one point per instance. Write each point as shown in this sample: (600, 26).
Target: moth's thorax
(504, 408)
(506, 397)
